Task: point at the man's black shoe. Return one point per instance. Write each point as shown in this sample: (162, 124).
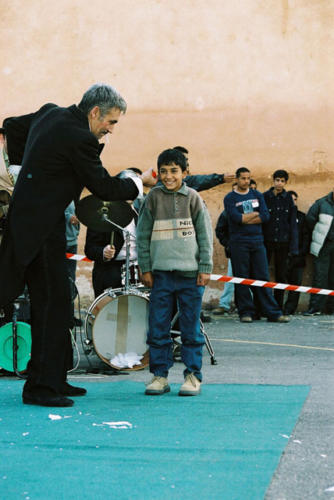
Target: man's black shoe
(71, 390)
(312, 312)
(56, 401)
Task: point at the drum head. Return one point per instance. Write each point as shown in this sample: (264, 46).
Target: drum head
(120, 328)
(23, 344)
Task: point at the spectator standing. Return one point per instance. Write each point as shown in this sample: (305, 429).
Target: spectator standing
(226, 297)
(296, 263)
(246, 212)
(72, 229)
(320, 221)
(280, 232)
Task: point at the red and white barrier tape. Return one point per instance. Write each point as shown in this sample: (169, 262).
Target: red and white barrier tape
(74, 256)
(242, 281)
(271, 284)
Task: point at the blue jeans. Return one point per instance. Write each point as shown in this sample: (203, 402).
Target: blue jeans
(249, 260)
(167, 286)
(227, 295)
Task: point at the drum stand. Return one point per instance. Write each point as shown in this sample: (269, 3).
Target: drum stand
(22, 299)
(209, 347)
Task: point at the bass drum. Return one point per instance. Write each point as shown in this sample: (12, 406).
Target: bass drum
(116, 323)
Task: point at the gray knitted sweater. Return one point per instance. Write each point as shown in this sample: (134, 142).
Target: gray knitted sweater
(174, 232)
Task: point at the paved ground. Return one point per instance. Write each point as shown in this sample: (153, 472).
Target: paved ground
(301, 352)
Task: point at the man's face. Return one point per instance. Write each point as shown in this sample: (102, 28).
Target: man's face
(279, 184)
(295, 199)
(243, 181)
(101, 125)
(172, 176)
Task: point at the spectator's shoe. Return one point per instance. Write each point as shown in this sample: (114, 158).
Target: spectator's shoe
(205, 318)
(280, 319)
(220, 311)
(312, 312)
(191, 386)
(71, 390)
(246, 319)
(157, 386)
(55, 401)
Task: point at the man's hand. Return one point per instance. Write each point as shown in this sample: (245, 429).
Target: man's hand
(229, 177)
(109, 252)
(74, 220)
(147, 279)
(149, 178)
(203, 279)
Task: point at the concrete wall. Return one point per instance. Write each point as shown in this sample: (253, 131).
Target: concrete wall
(239, 82)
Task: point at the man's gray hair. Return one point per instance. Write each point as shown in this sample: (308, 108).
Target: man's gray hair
(104, 96)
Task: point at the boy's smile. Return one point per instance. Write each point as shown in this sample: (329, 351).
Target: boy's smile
(172, 176)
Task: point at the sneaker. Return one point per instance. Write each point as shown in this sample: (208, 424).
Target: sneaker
(246, 319)
(220, 311)
(157, 386)
(191, 386)
(312, 312)
(280, 319)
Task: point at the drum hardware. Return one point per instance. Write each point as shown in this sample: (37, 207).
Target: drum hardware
(116, 323)
(15, 341)
(91, 211)
(177, 345)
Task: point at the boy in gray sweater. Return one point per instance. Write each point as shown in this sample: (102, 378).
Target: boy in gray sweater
(174, 241)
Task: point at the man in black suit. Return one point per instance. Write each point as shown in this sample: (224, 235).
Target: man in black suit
(59, 150)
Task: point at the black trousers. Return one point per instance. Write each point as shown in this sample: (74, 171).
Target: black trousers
(323, 277)
(50, 302)
(295, 277)
(280, 252)
(107, 276)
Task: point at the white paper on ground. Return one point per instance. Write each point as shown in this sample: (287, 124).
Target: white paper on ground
(126, 360)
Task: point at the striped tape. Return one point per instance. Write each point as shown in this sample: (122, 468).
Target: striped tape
(74, 256)
(242, 281)
(271, 284)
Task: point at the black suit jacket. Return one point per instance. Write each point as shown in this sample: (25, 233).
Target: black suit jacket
(59, 156)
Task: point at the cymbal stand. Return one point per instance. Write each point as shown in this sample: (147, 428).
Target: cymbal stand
(127, 236)
(15, 346)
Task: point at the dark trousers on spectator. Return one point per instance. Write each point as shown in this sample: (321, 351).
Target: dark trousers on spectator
(105, 277)
(323, 277)
(249, 260)
(294, 277)
(280, 252)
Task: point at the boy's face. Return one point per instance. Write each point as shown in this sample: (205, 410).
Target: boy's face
(279, 184)
(172, 176)
(243, 181)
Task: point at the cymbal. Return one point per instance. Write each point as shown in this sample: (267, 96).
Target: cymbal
(91, 212)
